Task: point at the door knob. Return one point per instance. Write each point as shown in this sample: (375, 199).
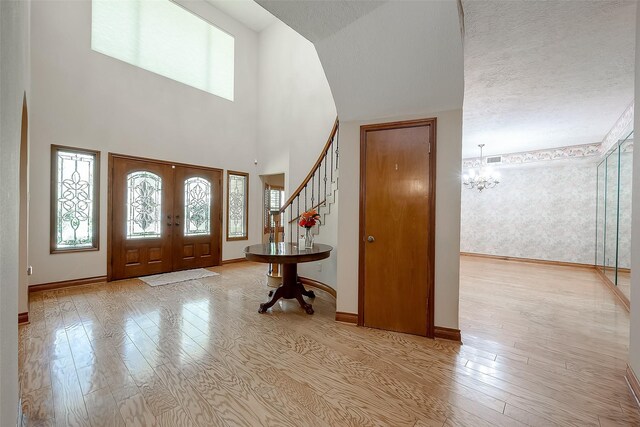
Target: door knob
(370, 239)
(169, 224)
(177, 223)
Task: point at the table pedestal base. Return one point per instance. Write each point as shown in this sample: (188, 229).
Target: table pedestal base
(290, 288)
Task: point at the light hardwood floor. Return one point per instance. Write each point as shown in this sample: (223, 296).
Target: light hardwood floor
(624, 283)
(543, 346)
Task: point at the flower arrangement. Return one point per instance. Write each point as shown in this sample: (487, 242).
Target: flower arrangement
(309, 218)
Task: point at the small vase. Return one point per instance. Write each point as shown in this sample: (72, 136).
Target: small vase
(308, 238)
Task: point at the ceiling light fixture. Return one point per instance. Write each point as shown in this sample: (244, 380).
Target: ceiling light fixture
(482, 178)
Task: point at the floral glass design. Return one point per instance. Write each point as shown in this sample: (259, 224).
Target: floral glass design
(74, 204)
(144, 205)
(237, 227)
(197, 206)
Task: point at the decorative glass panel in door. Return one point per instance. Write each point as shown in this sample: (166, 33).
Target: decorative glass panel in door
(144, 205)
(197, 207)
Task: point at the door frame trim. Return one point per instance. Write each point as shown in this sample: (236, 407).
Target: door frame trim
(111, 157)
(431, 122)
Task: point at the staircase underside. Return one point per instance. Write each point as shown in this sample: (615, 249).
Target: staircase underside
(383, 59)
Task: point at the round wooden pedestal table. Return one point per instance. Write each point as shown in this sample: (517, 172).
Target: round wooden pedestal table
(289, 255)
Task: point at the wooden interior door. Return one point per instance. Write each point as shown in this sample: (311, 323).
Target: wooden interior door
(397, 219)
(196, 238)
(141, 218)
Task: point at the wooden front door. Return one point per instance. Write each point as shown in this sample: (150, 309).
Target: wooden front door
(397, 219)
(164, 217)
(195, 239)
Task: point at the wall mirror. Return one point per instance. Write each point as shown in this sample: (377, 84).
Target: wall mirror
(613, 216)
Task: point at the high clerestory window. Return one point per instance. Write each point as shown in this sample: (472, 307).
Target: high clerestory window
(164, 38)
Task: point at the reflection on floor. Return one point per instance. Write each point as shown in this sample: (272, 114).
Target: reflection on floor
(624, 283)
(543, 346)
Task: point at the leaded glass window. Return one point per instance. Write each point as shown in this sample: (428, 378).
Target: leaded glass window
(74, 195)
(237, 210)
(144, 205)
(197, 207)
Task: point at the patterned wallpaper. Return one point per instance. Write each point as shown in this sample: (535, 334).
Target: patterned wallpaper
(570, 152)
(540, 211)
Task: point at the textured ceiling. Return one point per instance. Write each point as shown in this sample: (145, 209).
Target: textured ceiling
(318, 19)
(383, 59)
(545, 74)
(247, 12)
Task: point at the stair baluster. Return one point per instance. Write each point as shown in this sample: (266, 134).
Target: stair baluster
(319, 171)
(325, 180)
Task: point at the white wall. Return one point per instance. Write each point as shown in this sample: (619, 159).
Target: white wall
(634, 339)
(296, 108)
(448, 168)
(85, 99)
(296, 115)
(325, 271)
(545, 211)
(23, 232)
(14, 81)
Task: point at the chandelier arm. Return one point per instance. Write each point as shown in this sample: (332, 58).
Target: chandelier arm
(480, 180)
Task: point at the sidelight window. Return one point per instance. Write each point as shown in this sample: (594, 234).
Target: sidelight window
(237, 206)
(74, 199)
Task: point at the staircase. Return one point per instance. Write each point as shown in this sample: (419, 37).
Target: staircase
(317, 191)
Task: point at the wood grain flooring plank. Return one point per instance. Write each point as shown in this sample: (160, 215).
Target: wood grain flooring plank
(174, 418)
(135, 412)
(37, 406)
(198, 409)
(102, 409)
(527, 418)
(543, 346)
(158, 398)
(427, 422)
(302, 394)
(68, 401)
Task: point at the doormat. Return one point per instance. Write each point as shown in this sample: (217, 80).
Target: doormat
(177, 277)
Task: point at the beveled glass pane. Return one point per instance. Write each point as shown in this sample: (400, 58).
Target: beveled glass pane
(237, 206)
(75, 204)
(144, 205)
(600, 216)
(611, 217)
(197, 206)
(624, 216)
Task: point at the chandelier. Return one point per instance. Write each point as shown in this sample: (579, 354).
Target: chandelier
(482, 178)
